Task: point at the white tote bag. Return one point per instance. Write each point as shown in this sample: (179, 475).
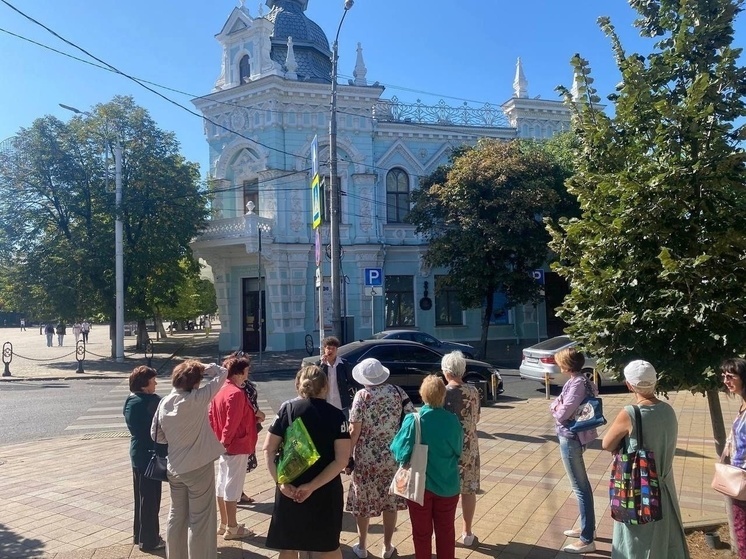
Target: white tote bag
(409, 481)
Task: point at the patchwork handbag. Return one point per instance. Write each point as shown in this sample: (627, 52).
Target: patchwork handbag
(409, 480)
(634, 487)
(590, 413)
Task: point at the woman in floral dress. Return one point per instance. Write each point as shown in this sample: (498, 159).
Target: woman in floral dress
(463, 400)
(375, 417)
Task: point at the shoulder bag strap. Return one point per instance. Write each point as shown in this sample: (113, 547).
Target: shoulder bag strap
(638, 426)
(157, 412)
(416, 428)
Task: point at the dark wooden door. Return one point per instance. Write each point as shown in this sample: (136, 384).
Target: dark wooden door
(252, 316)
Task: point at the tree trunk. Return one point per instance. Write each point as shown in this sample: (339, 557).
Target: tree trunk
(482, 352)
(719, 434)
(159, 329)
(142, 334)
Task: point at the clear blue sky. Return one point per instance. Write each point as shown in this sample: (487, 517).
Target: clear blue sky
(426, 49)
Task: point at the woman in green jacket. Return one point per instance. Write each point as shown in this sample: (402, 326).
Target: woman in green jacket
(441, 431)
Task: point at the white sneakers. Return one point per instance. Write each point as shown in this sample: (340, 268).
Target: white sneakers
(468, 539)
(580, 547)
(363, 553)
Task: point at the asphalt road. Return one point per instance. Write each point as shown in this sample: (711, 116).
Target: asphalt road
(41, 409)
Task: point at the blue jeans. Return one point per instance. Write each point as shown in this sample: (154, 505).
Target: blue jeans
(572, 457)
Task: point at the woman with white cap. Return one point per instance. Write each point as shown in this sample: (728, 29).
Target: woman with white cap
(663, 538)
(375, 417)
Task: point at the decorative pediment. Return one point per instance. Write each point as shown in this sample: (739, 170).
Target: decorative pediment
(399, 154)
(237, 22)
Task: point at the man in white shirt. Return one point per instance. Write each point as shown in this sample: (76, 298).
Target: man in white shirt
(338, 374)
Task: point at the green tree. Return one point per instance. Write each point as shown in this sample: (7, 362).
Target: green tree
(656, 262)
(57, 211)
(482, 216)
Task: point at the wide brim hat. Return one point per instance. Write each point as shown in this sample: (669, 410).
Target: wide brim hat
(370, 372)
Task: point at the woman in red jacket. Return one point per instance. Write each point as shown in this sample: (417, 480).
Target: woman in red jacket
(234, 423)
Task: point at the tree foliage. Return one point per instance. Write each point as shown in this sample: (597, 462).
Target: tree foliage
(57, 213)
(657, 260)
(482, 216)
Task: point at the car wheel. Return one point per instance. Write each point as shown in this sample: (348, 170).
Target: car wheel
(589, 375)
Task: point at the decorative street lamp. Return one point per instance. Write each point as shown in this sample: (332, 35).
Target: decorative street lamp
(334, 188)
(118, 244)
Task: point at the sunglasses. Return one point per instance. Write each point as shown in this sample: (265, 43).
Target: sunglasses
(728, 376)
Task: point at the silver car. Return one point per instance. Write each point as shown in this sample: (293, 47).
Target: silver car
(426, 339)
(538, 361)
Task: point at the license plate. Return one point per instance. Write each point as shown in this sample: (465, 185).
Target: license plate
(531, 360)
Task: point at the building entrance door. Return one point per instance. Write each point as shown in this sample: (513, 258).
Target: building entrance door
(251, 316)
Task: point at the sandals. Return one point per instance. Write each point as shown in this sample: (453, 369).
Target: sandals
(237, 532)
(245, 500)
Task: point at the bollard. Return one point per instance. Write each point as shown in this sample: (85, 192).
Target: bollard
(546, 384)
(493, 380)
(80, 355)
(149, 352)
(7, 357)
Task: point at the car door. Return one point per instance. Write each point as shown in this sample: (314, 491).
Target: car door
(388, 355)
(418, 361)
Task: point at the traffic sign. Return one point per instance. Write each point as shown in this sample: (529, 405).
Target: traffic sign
(374, 277)
(538, 276)
(315, 202)
(371, 291)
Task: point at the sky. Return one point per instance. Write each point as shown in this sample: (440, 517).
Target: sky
(458, 51)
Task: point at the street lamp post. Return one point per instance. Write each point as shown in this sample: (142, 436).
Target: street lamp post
(118, 246)
(334, 187)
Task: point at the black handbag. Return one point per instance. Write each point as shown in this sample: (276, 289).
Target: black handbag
(157, 468)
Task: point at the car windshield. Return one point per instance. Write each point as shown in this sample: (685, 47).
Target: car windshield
(553, 343)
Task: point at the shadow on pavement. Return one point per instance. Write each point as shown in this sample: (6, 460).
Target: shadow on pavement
(13, 546)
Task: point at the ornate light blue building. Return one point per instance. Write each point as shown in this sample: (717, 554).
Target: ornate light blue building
(270, 100)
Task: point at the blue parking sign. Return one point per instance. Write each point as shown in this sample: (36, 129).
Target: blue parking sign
(373, 277)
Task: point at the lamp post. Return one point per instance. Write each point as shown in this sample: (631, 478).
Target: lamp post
(260, 227)
(118, 245)
(334, 186)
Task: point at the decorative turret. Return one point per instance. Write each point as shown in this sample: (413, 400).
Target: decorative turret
(290, 64)
(520, 83)
(360, 70)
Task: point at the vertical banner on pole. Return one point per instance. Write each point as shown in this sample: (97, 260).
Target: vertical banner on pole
(315, 223)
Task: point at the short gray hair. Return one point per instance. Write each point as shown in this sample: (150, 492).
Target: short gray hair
(454, 363)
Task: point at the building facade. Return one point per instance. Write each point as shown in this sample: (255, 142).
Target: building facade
(269, 102)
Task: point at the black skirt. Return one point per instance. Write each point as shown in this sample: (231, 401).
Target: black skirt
(313, 525)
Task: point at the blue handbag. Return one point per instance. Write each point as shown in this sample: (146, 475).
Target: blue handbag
(590, 413)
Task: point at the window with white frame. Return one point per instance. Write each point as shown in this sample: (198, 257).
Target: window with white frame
(448, 310)
(399, 301)
(397, 195)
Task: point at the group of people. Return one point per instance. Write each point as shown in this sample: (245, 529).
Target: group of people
(368, 436)
(80, 329)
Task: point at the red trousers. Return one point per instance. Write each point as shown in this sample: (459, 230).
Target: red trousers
(439, 514)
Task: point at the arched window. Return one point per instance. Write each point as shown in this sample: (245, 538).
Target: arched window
(397, 196)
(244, 69)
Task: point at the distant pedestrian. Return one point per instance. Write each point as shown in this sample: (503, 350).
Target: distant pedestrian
(85, 330)
(41, 328)
(139, 409)
(49, 331)
(61, 331)
(23, 325)
(77, 329)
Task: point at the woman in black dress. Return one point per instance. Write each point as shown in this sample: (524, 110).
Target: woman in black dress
(307, 514)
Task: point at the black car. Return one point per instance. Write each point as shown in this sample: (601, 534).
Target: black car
(410, 362)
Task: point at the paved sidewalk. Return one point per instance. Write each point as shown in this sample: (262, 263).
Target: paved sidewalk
(71, 497)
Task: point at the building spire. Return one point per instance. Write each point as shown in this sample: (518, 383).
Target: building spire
(520, 83)
(360, 70)
(290, 64)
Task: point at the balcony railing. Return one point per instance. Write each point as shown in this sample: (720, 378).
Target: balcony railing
(393, 110)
